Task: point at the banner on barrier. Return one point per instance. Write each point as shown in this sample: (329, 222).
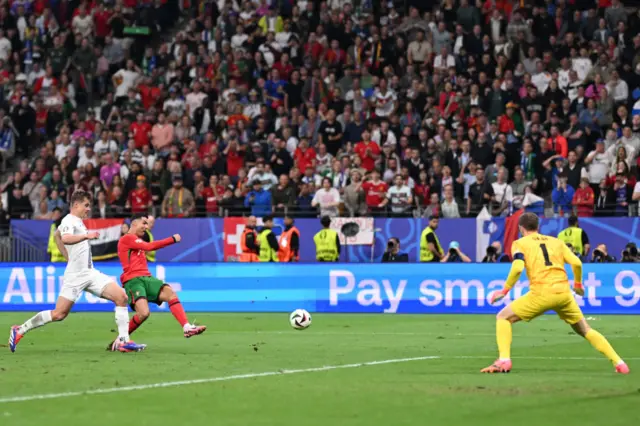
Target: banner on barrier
(365, 228)
(446, 288)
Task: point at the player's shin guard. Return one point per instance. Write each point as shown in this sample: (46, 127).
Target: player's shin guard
(122, 321)
(178, 311)
(38, 320)
(600, 342)
(135, 323)
(504, 337)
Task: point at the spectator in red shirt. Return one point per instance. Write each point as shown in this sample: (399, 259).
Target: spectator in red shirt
(212, 195)
(304, 156)
(335, 56)
(140, 198)
(505, 122)
(368, 151)
(584, 199)
(558, 143)
(208, 143)
(140, 131)
(235, 157)
(284, 67)
(101, 18)
(375, 192)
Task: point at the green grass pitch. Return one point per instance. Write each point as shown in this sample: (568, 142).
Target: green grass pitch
(558, 379)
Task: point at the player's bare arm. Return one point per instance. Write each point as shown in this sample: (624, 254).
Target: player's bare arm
(63, 250)
(70, 240)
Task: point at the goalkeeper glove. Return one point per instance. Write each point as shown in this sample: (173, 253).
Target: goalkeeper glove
(499, 295)
(578, 288)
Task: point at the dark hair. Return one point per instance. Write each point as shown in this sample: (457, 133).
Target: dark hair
(79, 197)
(436, 217)
(267, 218)
(573, 220)
(529, 221)
(325, 221)
(138, 216)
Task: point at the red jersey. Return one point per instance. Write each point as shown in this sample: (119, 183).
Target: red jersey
(141, 133)
(374, 192)
(368, 162)
(139, 200)
(304, 158)
(211, 198)
(131, 251)
(235, 161)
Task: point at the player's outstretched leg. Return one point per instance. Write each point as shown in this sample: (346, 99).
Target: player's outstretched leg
(117, 295)
(62, 309)
(504, 319)
(168, 295)
(600, 342)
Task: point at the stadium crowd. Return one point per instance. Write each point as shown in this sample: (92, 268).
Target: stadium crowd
(333, 107)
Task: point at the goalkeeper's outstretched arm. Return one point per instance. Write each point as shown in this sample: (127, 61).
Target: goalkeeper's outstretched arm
(576, 267)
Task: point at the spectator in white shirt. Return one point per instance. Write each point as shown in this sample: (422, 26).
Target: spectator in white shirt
(400, 198)
(443, 61)
(449, 204)
(618, 88)
(599, 162)
(195, 99)
(5, 46)
(541, 78)
(327, 198)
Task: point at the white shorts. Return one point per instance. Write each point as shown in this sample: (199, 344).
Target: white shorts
(92, 281)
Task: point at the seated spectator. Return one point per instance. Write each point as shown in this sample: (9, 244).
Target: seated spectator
(327, 199)
(354, 196)
(584, 199)
(622, 195)
(178, 201)
(433, 209)
(43, 213)
(399, 197)
(258, 200)
(19, 205)
(375, 193)
(517, 188)
(500, 194)
(305, 198)
(562, 197)
(283, 195)
(56, 202)
(449, 206)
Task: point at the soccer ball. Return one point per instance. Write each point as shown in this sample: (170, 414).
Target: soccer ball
(300, 319)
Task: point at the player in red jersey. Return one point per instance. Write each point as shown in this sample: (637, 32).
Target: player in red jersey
(140, 286)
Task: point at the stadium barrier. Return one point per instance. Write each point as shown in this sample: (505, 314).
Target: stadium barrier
(229, 287)
(218, 240)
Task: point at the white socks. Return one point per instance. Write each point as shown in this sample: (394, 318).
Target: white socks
(187, 326)
(38, 320)
(122, 321)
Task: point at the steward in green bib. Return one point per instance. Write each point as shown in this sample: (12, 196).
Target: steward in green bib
(575, 237)
(430, 248)
(268, 242)
(327, 242)
(52, 248)
(148, 237)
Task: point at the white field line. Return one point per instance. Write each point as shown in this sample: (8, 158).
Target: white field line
(208, 380)
(101, 391)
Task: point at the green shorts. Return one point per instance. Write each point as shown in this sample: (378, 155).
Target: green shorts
(144, 288)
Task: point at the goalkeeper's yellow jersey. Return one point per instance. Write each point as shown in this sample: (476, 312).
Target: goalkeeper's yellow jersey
(544, 259)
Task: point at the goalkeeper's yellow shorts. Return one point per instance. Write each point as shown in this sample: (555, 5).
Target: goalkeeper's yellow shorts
(532, 305)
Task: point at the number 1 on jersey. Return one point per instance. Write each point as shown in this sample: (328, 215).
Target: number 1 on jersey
(545, 254)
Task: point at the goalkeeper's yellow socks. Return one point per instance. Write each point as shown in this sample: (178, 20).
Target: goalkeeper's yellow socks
(504, 337)
(600, 342)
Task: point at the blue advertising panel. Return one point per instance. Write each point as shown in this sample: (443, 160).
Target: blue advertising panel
(379, 288)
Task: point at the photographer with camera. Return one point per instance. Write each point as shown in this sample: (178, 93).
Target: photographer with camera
(455, 255)
(495, 255)
(630, 254)
(392, 254)
(601, 255)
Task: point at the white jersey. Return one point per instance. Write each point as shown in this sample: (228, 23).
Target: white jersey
(79, 254)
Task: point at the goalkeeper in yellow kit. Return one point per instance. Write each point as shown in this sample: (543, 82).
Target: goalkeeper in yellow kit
(544, 258)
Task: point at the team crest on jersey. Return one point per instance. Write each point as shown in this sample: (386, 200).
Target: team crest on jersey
(139, 240)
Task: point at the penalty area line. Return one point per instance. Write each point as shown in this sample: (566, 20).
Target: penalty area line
(160, 385)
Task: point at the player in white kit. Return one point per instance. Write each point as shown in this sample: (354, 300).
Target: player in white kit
(72, 239)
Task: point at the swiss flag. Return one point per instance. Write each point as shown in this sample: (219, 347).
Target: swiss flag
(233, 228)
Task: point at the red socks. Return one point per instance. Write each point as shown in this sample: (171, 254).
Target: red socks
(177, 311)
(134, 323)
